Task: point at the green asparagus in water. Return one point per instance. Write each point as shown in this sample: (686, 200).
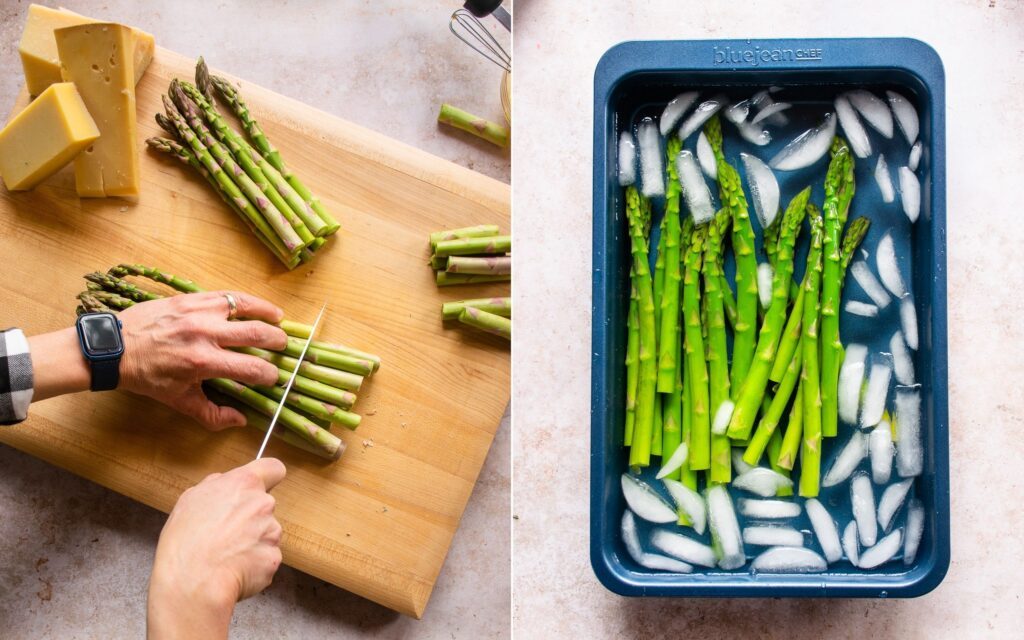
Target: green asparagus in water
(638, 215)
(730, 191)
(718, 354)
(837, 181)
(673, 276)
(696, 363)
(748, 398)
(810, 454)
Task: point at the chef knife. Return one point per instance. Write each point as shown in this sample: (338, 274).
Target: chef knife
(291, 380)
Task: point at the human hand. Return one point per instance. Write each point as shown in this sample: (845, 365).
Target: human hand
(173, 344)
(219, 546)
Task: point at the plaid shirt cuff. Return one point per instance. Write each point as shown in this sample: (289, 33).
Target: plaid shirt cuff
(15, 376)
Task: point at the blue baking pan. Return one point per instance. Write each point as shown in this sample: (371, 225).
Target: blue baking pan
(636, 79)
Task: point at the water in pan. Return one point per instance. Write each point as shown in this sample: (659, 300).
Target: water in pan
(809, 106)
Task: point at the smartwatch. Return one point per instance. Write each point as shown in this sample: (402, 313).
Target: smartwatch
(99, 335)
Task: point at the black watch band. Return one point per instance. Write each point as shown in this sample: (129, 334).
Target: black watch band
(105, 374)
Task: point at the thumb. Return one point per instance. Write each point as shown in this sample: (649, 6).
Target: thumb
(270, 470)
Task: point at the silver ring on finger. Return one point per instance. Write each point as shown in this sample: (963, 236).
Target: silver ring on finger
(232, 306)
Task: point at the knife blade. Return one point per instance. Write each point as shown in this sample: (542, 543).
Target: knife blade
(291, 380)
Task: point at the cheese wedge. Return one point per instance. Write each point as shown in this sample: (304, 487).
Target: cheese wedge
(45, 136)
(98, 59)
(38, 47)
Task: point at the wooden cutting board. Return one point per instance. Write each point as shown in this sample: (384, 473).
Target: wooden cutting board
(380, 520)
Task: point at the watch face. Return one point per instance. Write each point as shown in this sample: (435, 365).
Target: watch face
(101, 335)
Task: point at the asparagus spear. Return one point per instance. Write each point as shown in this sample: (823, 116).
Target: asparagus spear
(846, 185)
(317, 389)
(444, 279)
(851, 240)
(632, 359)
(672, 436)
(92, 304)
(728, 300)
(472, 246)
(485, 321)
(156, 275)
(810, 454)
(284, 222)
(478, 231)
(686, 475)
(794, 431)
(667, 345)
(730, 191)
(269, 180)
(696, 364)
(771, 239)
(113, 300)
(639, 226)
(497, 306)
(774, 453)
(262, 231)
(203, 80)
(492, 132)
(301, 330)
(312, 406)
(259, 421)
(331, 359)
(773, 415)
(487, 265)
(839, 171)
(230, 96)
(748, 398)
(331, 446)
(718, 354)
(659, 424)
(123, 287)
(659, 277)
(332, 377)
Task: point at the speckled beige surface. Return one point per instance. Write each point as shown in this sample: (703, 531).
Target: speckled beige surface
(557, 47)
(74, 557)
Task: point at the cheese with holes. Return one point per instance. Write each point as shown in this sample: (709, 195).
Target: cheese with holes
(45, 136)
(38, 46)
(98, 59)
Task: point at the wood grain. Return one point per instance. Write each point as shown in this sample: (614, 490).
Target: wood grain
(379, 521)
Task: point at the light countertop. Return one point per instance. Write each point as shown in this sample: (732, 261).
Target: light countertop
(74, 557)
(557, 47)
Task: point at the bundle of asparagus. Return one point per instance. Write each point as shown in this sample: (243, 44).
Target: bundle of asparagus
(323, 393)
(471, 255)
(682, 388)
(248, 174)
(493, 315)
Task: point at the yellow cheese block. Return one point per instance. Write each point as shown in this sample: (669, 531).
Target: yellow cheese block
(98, 59)
(38, 47)
(45, 136)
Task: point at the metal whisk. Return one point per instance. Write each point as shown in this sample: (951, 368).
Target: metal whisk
(467, 28)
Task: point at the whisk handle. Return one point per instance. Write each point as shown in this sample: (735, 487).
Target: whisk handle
(482, 8)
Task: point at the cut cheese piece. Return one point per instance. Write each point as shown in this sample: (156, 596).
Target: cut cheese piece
(97, 58)
(38, 47)
(45, 136)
